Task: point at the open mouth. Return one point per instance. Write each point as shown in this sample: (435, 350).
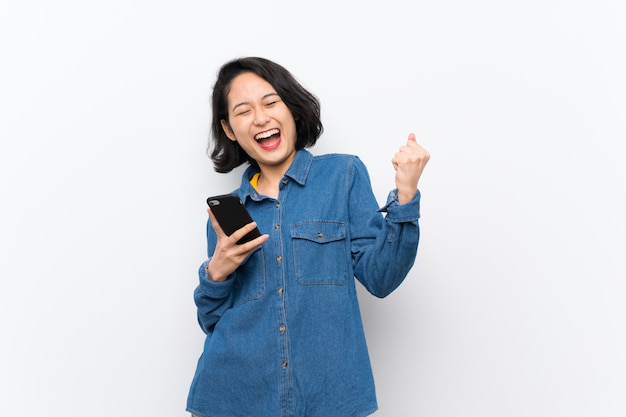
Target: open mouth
(268, 139)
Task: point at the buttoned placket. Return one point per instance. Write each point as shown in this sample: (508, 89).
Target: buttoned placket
(281, 325)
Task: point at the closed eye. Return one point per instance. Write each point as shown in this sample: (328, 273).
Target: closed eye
(271, 99)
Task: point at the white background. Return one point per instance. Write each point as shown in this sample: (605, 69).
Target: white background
(516, 304)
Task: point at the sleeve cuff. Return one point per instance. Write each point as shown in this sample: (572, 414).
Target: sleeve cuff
(211, 288)
(401, 213)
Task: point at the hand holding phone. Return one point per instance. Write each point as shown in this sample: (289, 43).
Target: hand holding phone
(232, 215)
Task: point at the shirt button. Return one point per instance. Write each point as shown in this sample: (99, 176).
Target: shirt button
(284, 181)
(320, 234)
(281, 329)
(277, 227)
(277, 205)
(284, 364)
(280, 291)
(279, 259)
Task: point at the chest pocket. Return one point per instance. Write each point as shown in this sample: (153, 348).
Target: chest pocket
(320, 253)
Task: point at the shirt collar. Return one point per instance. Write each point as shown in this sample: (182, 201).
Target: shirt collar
(298, 171)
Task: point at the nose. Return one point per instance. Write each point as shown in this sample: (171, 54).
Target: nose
(260, 116)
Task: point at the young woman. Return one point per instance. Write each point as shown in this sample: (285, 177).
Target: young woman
(284, 335)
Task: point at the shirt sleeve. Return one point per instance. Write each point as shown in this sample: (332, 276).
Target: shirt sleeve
(383, 247)
(212, 298)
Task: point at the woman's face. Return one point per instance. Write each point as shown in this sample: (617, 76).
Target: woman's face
(260, 122)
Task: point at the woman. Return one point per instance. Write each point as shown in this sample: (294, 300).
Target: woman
(284, 335)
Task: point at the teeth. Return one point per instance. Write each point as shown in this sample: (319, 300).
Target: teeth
(267, 134)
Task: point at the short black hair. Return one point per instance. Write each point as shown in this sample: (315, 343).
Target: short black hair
(304, 107)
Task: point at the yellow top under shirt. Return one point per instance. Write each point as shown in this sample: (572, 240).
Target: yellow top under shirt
(254, 181)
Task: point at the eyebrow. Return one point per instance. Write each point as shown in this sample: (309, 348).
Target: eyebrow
(245, 102)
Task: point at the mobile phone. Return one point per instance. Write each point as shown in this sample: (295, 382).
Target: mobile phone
(232, 215)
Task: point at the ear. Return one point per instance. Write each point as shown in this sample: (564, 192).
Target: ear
(228, 130)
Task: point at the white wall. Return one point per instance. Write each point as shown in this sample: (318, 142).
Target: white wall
(516, 304)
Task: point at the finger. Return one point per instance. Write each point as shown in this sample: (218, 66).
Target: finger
(254, 243)
(239, 233)
(397, 159)
(412, 138)
(405, 154)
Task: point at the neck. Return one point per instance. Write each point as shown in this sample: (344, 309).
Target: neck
(271, 175)
(268, 183)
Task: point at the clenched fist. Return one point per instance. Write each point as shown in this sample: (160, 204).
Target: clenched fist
(409, 162)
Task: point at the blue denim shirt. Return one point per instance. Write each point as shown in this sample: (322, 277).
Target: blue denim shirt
(284, 335)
